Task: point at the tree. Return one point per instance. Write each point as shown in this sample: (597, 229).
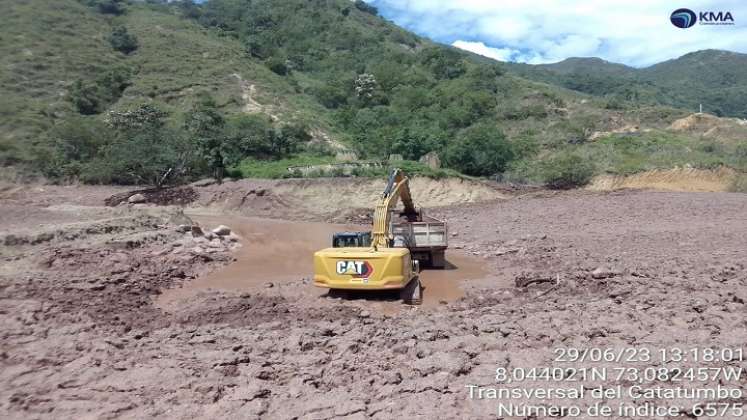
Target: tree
(366, 8)
(70, 145)
(189, 9)
(566, 171)
(80, 139)
(206, 124)
(144, 150)
(108, 7)
(85, 97)
(248, 135)
(415, 141)
(480, 150)
(445, 63)
(92, 97)
(365, 85)
(288, 138)
(330, 96)
(143, 117)
(123, 41)
(278, 65)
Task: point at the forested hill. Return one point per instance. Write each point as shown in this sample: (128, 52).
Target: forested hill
(119, 91)
(716, 79)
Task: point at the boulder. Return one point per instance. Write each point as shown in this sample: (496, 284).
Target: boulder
(431, 160)
(395, 157)
(346, 156)
(222, 230)
(136, 199)
(603, 273)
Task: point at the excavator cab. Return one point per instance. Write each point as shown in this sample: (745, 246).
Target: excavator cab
(351, 240)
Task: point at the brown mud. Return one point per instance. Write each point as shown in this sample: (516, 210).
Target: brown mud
(81, 336)
(281, 252)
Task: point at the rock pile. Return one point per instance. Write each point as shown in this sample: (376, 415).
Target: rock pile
(197, 241)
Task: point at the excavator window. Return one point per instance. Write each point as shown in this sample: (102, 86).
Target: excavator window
(351, 240)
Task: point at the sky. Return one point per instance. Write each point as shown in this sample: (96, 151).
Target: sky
(636, 33)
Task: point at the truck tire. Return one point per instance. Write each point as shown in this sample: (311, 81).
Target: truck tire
(412, 293)
(438, 259)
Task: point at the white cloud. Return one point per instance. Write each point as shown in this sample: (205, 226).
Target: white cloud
(502, 54)
(537, 31)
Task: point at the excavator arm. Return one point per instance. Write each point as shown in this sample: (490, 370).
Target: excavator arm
(398, 186)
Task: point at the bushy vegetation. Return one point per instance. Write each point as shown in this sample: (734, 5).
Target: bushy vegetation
(95, 96)
(480, 150)
(566, 171)
(715, 79)
(256, 168)
(239, 86)
(109, 7)
(138, 146)
(123, 41)
(388, 98)
(739, 184)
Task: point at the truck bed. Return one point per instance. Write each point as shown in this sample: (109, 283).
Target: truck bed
(427, 239)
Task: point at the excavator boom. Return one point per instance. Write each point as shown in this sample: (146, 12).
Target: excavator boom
(397, 187)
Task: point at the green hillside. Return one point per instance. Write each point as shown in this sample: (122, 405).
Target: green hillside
(156, 92)
(716, 79)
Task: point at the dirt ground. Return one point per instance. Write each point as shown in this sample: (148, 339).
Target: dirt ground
(121, 312)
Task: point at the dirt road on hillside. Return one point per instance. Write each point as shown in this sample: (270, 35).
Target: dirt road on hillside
(116, 313)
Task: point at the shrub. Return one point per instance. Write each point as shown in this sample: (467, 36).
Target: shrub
(85, 97)
(480, 150)
(445, 63)
(330, 96)
(739, 183)
(411, 145)
(143, 117)
(143, 151)
(566, 171)
(365, 7)
(107, 7)
(123, 41)
(93, 97)
(741, 155)
(277, 65)
(156, 156)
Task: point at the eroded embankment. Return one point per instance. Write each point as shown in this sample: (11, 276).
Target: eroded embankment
(333, 199)
(677, 179)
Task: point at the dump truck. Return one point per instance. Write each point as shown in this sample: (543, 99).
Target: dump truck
(382, 259)
(426, 237)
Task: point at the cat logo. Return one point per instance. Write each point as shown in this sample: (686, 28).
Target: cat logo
(357, 269)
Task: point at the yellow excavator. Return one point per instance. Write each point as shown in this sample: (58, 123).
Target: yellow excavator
(370, 261)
